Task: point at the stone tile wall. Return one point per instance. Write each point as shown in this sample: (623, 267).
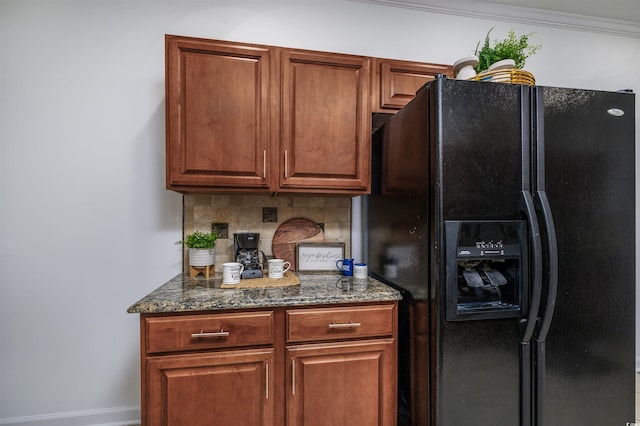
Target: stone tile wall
(243, 213)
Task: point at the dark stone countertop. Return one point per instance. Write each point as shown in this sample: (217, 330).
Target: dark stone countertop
(184, 294)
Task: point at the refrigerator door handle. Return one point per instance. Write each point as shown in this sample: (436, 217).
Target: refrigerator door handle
(552, 273)
(535, 286)
(526, 368)
(551, 277)
(544, 208)
(550, 303)
(536, 278)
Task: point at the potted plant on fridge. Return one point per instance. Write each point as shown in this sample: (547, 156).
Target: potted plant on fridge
(201, 247)
(513, 50)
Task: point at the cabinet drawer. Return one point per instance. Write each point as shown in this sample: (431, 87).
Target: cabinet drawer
(180, 333)
(339, 323)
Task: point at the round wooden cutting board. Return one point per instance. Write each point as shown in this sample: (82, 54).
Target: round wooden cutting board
(291, 232)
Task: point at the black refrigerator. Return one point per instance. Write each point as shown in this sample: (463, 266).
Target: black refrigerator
(505, 214)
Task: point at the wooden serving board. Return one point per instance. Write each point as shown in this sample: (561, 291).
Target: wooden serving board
(291, 232)
(288, 279)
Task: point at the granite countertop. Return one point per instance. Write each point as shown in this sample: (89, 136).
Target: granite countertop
(184, 294)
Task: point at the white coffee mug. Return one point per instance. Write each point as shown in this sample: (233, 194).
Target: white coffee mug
(231, 272)
(360, 271)
(277, 267)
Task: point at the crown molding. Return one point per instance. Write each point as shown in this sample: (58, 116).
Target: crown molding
(525, 15)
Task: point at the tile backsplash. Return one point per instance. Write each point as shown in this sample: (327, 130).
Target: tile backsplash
(244, 213)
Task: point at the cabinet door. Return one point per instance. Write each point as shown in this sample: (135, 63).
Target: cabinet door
(217, 106)
(203, 389)
(396, 82)
(326, 122)
(348, 383)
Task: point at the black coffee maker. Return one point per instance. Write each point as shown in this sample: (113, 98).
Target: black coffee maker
(248, 253)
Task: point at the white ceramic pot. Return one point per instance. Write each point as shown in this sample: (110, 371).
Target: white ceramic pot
(201, 257)
(505, 64)
(463, 68)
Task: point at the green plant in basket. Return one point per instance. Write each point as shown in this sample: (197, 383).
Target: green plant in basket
(512, 47)
(200, 240)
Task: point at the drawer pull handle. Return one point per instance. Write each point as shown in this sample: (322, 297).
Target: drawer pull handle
(202, 334)
(349, 324)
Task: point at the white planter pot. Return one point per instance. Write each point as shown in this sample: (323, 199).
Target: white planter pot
(463, 68)
(505, 64)
(201, 257)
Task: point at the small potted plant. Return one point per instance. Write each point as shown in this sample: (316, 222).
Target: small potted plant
(201, 248)
(512, 50)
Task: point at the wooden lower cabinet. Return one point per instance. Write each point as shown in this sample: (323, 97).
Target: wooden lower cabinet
(331, 365)
(348, 383)
(204, 389)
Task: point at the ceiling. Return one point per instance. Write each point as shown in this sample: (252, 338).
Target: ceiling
(618, 17)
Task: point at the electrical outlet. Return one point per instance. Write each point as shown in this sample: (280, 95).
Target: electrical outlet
(222, 229)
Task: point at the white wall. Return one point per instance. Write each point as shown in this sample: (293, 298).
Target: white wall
(82, 166)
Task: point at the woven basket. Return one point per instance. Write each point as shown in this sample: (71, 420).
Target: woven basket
(513, 76)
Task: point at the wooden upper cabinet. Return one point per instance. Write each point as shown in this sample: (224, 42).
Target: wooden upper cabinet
(325, 132)
(251, 118)
(217, 106)
(395, 82)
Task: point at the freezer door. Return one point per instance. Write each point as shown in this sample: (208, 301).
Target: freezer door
(480, 163)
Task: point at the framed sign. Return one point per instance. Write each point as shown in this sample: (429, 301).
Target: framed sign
(319, 256)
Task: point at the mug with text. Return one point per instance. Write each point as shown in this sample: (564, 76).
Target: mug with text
(277, 267)
(231, 272)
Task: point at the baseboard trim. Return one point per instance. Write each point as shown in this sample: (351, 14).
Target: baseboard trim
(116, 416)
